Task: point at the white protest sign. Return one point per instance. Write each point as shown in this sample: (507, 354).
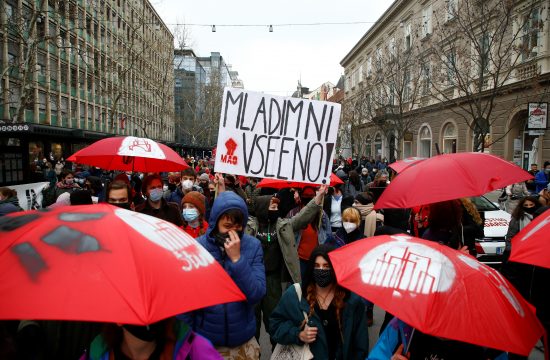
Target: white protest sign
(30, 195)
(276, 137)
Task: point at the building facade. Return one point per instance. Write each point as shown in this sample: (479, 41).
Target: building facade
(449, 76)
(199, 84)
(74, 71)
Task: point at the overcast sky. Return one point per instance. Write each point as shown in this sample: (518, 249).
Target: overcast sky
(274, 62)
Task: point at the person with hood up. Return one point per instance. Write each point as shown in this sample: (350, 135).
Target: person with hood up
(277, 235)
(231, 327)
(8, 201)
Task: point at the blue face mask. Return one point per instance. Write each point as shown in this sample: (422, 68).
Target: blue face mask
(190, 214)
(155, 195)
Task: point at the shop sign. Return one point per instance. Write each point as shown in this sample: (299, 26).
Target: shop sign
(13, 128)
(538, 115)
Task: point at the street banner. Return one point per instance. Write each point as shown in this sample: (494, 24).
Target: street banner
(276, 137)
(30, 195)
(538, 116)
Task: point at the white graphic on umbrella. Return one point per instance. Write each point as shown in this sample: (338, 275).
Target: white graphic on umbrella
(169, 237)
(407, 266)
(142, 147)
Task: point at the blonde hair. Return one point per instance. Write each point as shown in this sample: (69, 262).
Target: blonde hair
(352, 214)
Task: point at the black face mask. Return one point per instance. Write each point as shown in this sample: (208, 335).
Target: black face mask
(272, 215)
(145, 333)
(124, 205)
(323, 277)
(220, 238)
(172, 187)
(530, 210)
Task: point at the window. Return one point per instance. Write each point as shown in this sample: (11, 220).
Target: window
(531, 31)
(369, 66)
(378, 58)
(425, 143)
(427, 21)
(360, 73)
(426, 78)
(450, 64)
(451, 9)
(391, 48)
(368, 150)
(179, 83)
(407, 85)
(378, 146)
(449, 138)
(408, 37)
(407, 149)
(484, 54)
(9, 11)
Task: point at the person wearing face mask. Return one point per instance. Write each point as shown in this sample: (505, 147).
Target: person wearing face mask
(333, 207)
(67, 184)
(119, 194)
(252, 192)
(155, 205)
(193, 206)
(166, 339)
(515, 192)
(277, 235)
(521, 217)
(350, 230)
(336, 326)
(231, 327)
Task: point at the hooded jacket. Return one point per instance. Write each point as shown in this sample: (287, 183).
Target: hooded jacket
(9, 205)
(234, 323)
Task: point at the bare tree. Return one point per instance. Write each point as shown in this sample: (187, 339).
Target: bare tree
(392, 87)
(475, 51)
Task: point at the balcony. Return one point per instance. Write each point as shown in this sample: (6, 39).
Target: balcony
(528, 70)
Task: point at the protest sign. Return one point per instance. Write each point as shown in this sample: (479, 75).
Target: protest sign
(30, 195)
(276, 137)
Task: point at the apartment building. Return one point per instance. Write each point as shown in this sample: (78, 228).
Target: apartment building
(74, 71)
(448, 76)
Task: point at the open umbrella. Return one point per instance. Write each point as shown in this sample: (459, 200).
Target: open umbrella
(532, 244)
(106, 264)
(130, 154)
(450, 176)
(281, 184)
(439, 291)
(401, 165)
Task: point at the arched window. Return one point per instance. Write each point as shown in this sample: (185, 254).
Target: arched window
(378, 146)
(450, 138)
(368, 150)
(425, 143)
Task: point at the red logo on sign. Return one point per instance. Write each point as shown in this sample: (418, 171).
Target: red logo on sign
(537, 112)
(229, 158)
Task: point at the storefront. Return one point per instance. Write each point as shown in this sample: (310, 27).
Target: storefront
(25, 149)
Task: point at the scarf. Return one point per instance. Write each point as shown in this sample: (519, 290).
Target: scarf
(525, 220)
(369, 215)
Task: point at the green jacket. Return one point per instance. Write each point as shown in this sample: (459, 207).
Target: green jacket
(288, 316)
(285, 236)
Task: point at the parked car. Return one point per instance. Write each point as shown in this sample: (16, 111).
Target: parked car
(491, 247)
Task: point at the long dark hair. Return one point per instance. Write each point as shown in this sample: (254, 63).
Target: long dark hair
(310, 290)
(519, 212)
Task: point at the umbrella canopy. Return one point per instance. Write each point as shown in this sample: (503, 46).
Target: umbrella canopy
(531, 245)
(401, 165)
(102, 263)
(439, 291)
(130, 154)
(281, 184)
(450, 176)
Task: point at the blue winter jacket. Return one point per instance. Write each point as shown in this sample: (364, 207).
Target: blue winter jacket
(541, 181)
(234, 323)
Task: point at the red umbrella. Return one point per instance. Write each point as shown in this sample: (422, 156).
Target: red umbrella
(439, 291)
(130, 154)
(449, 176)
(106, 264)
(401, 165)
(281, 184)
(531, 245)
